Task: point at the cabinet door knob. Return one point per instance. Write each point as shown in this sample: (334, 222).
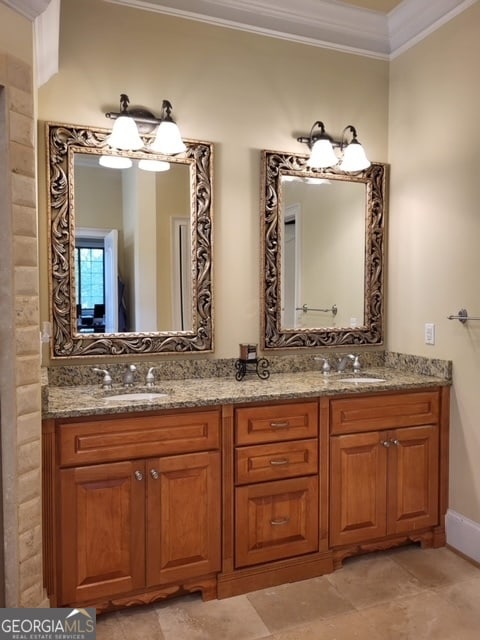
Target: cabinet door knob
(138, 475)
(395, 442)
(386, 443)
(279, 521)
(280, 425)
(154, 474)
(277, 463)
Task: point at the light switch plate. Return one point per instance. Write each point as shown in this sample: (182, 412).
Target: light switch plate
(429, 333)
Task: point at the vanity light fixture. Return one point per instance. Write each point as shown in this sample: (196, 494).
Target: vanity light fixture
(125, 132)
(322, 149)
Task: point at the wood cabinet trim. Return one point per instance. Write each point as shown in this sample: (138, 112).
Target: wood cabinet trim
(383, 411)
(121, 438)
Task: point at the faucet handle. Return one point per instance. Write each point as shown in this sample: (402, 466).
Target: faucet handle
(357, 365)
(150, 379)
(326, 364)
(107, 379)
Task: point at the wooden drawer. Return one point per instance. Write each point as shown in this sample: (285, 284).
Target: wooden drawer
(262, 462)
(383, 411)
(280, 422)
(276, 520)
(120, 438)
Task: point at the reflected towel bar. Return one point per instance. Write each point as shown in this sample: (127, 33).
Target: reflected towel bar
(462, 316)
(306, 308)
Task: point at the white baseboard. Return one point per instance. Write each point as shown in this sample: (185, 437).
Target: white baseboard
(463, 534)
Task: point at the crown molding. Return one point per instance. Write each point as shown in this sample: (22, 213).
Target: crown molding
(323, 23)
(414, 20)
(28, 8)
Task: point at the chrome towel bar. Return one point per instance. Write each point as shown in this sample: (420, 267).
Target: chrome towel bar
(462, 316)
(333, 310)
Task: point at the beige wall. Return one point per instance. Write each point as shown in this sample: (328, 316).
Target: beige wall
(240, 91)
(434, 256)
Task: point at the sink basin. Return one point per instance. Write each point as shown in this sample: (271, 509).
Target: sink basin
(359, 380)
(132, 397)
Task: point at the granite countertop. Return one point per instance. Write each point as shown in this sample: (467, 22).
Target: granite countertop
(86, 400)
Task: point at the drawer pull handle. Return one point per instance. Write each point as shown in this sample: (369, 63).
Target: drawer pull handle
(279, 521)
(280, 425)
(138, 475)
(277, 463)
(154, 474)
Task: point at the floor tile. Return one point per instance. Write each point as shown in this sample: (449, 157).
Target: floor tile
(429, 617)
(141, 622)
(373, 578)
(435, 567)
(109, 627)
(350, 626)
(294, 604)
(190, 618)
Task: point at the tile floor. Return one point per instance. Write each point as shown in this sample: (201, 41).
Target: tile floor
(402, 594)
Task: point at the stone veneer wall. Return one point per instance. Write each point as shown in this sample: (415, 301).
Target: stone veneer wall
(20, 392)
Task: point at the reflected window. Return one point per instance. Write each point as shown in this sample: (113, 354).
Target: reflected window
(90, 277)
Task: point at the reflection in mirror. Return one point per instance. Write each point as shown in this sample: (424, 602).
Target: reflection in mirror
(323, 253)
(132, 240)
(323, 248)
(130, 249)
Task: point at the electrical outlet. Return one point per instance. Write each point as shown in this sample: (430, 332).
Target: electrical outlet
(429, 333)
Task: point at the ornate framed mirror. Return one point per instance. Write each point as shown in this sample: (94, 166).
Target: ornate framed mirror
(130, 250)
(323, 254)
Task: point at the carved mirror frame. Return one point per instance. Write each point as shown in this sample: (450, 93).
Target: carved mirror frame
(63, 141)
(275, 165)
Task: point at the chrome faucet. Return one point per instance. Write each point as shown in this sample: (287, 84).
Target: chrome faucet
(150, 379)
(107, 378)
(128, 377)
(326, 364)
(342, 362)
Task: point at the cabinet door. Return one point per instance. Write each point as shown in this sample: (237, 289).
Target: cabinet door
(358, 468)
(276, 520)
(102, 531)
(184, 517)
(413, 479)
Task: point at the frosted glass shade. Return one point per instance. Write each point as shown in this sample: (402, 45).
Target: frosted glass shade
(125, 135)
(115, 162)
(322, 155)
(168, 140)
(153, 165)
(354, 158)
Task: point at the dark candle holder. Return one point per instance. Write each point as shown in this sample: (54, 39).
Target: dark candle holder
(257, 365)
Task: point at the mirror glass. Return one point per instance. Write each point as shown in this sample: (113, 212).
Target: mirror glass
(130, 249)
(323, 253)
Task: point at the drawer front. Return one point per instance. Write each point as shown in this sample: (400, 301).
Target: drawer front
(263, 462)
(255, 425)
(383, 411)
(276, 520)
(137, 437)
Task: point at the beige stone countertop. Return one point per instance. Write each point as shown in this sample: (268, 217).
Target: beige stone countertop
(64, 402)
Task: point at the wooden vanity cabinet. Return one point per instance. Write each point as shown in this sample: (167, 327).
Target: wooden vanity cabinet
(276, 496)
(387, 468)
(138, 515)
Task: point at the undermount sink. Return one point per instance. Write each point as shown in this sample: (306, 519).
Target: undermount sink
(365, 380)
(132, 396)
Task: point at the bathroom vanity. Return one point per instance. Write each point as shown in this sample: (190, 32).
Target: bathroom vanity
(225, 487)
